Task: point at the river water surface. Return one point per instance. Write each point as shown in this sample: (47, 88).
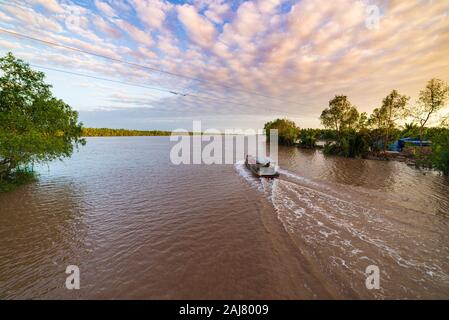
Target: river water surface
(140, 227)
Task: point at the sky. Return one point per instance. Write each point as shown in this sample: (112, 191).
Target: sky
(155, 64)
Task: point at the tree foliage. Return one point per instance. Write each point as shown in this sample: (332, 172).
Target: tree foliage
(341, 115)
(440, 151)
(431, 100)
(288, 131)
(308, 138)
(352, 134)
(34, 125)
(349, 126)
(384, 120)
(410, 130)
(393, 109)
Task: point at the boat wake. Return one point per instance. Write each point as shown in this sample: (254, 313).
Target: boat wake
(342, 231)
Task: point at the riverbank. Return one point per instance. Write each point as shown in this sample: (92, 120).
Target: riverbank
(407, 156)
(107, 132)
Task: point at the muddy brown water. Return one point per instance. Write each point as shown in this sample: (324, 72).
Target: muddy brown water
(140, 227)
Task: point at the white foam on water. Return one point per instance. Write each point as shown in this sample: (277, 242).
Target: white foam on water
(354, 233)
(261, 184)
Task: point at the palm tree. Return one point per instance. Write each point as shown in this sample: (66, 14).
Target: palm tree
(410, 129)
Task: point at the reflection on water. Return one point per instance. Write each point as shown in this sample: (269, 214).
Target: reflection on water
(140, 227)
(419, 189)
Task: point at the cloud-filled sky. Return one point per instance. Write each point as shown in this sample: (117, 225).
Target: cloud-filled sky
(231, 64)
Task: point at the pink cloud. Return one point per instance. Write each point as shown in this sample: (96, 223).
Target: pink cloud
(308, 54)
(199, 29)
(152, 12)
(106, 27)
(50, 5)
(135, 33)
(105, 8)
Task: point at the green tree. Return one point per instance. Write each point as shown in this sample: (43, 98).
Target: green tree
(341, 115)
(410, 130)
(377, 120)
(308, 138)
(440, 147)
(288, 132)
(349, 125)
(440, 151)
(393, 109)
(34, 125)
(363, 122)
(431, 100)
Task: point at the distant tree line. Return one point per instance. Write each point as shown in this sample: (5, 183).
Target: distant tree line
(106, 132)
(350, 133)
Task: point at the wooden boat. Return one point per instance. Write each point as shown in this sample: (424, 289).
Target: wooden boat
(261, 167)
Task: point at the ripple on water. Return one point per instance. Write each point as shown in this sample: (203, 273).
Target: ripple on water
(344, 236)
(140, 227)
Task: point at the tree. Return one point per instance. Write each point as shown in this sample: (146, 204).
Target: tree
(340, 115)
(308, 138)
(410, 130)
(440, 150)
(34, 125)
(350, 127)
(362, 124)
(431, 100)
(288, 132)
(377, 119)
(445, 122)
(393, 109)
(377, 123)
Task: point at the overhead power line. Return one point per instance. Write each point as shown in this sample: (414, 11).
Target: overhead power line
(157, 89)
(101, 78)
(136, 65)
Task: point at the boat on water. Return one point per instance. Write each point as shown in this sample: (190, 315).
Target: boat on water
(261, 167)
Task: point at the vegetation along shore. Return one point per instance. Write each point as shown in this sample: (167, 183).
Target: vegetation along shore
(414, 132)
(107, 132)
(37, 127)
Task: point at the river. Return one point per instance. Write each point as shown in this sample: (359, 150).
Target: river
(140, 227)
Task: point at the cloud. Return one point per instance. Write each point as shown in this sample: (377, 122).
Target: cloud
(101, 48)
(146, 53)
(152, 13)
(8, 44)
(107, 28)
(295, 55)
(105, 8)
(50, 5)
(135, 33)
(5, 18)
(30, 18)
(128, 100)
(217, 11)
(199, 29)
(168, 46)
(248, 21)
(268, 6)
